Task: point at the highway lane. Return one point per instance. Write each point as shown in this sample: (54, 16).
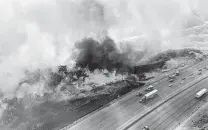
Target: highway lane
(121, 111)
(177, 110)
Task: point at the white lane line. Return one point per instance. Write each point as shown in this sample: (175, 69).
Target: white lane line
(138, 117)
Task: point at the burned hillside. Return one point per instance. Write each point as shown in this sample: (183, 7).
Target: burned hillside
(170, 54)
(105, 56)
(102, 74)
(159, 60)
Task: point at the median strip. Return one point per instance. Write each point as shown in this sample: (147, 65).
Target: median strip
(127, 95)
(138, 117)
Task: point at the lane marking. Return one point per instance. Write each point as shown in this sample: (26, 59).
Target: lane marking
(138, 117)
(128, 95)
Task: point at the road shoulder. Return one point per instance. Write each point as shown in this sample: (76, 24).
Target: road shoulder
(197, 120)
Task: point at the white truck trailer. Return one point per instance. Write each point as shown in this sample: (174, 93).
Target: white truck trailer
(201, 93)
(149, 95)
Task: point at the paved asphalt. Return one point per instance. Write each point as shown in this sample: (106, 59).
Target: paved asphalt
(175, 111)
(113, 116)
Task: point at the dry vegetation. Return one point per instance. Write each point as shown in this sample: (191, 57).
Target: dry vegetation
(99, 77)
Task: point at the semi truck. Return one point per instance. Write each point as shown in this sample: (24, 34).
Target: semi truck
(149, 95)
(201, 93)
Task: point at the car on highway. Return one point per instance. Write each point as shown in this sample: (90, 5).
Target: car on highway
(146, 128)
(150, 88)
(177, 73)
(171, 80)
(142, 99)
(170, 85)
(163, 71)
(172, 76)
(139, 94)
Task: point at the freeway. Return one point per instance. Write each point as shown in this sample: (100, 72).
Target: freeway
(171, 114)
(118, 113)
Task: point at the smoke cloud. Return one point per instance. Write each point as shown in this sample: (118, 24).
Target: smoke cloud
(41, 34)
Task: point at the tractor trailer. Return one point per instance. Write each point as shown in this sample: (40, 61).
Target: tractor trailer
(201, 93)
(149, 95)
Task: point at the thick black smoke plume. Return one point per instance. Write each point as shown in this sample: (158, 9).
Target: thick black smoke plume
(105, 55)
(102, 55)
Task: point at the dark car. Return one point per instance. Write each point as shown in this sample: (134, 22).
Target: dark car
(146, 128)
